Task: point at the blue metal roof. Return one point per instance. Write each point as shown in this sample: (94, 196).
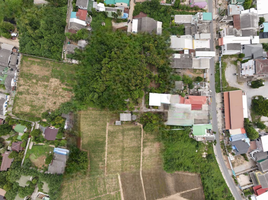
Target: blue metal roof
(265, 24)
(238, 137)
(73, 15)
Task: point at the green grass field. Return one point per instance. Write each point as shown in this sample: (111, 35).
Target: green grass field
(38, 154)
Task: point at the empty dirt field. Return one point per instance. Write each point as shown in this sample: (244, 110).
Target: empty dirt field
(115, 163)
(43, 85)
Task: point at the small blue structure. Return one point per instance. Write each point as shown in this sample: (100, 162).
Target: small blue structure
(265, 29)
(61, 151)
(125, 16)
(238, 137)
(73, 15)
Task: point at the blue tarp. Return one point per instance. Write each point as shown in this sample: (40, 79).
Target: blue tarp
(125, 16)
(238, 137)
(265, 29)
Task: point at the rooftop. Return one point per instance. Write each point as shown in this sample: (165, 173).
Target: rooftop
(125, 117)
(58, 164)
(16, 146)
(261, 66)
(82, 3)
(264, 140)
(51, 133)
(4, 57)
(201, 129)
(81, 14)
(240, 147)
(20, 128)
(207, 16)
(263, 165)
(6, 161)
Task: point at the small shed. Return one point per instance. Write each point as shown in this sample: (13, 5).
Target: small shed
(125, 117)
(51, 133)
(118, 123)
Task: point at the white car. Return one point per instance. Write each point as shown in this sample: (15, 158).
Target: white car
(14, 34)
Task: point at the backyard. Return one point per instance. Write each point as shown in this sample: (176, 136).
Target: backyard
(115, 164)
(43, 85)
(38, 154)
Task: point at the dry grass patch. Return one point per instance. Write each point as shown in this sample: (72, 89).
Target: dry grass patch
(40, 86)
(124, 149)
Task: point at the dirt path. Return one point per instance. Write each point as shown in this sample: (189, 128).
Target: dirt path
(9, 41)
(106, 148)
(177, 196)
(103, 195)
(120, 185)
(141, 161)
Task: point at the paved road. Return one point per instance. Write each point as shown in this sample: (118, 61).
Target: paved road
(217, 149)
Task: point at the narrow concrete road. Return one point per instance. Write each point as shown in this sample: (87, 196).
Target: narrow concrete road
(217, 150)
(130, 15)
(10, 41)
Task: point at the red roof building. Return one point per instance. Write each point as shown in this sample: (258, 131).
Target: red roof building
(236, 20)
(258, 190)
(195, 101)
(261, 66)
(16, 146)
(51, 133)
(81, 14)
(6, 161)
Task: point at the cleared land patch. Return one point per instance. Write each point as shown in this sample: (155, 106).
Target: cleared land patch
(123, 152)
(123, 149)
(38, 154)
(43, 85)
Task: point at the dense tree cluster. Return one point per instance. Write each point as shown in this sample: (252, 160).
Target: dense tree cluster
(250, 130)
(260, 105)
(116, 68)
(257, 83)
(77, 161)
(42, 31)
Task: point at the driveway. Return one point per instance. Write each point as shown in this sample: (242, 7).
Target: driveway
(130, 15)
(9, 41)
(250, 92)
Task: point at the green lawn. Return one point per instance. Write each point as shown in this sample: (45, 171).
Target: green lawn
(38, 151)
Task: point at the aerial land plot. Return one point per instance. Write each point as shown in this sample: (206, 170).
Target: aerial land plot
(159, 184)
(197, 194)
(93, 132)
(97, 187)
(38, 154)
(43, 85)
(124, 149)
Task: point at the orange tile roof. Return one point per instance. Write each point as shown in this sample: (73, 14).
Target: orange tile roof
(220, 41)
(81, 14)
(227, 110)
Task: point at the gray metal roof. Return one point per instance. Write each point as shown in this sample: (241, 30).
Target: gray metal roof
(125, 117)
(82, 3)
(249, 20)
(260, 156)
(147, 24)
(179, 85)
(58, 164)
(76, 26)
(4, 57)
(263, 180)
(183, 62)
(263, 166)
(241, 146)
(233, 46)
(251, 32)
(253, 51)
(13, 60)
(70, 48)
(82, 43)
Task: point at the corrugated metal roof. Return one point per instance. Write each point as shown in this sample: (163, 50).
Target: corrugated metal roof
(227, 110)
(236, 109)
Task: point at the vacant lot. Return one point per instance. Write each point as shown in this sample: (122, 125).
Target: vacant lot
(97, 187)
(124, 149)
(38, 154)
(115, 152)
(43, 85)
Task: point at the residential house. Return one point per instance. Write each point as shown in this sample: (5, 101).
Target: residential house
(183, 19)
(58, 164)
(248, 68)
(16, 146)
(20, 128)
(261, 67)
(187, 42)
(237, 2)
(234, 9)
(5, 56)
(260, 156)
(262, 8)
(241, 146)
(146, 24)
(13, 60)
(82, 44)
(249, 22)
(82, 4)
(69, 122)
(205, 54)
(125, 117)
(202, 17)
(70, 48)
(203, 132)
(263, 165)
(3, 103)
(199, 3)
(124, 3)
(51, 133)
(257, 68)
(233, 110)
(187, 61)
(6, 161)
(2, 194)
(237, 137)
(117, 10)
(253, 51)
(264, 142)
(79, 20)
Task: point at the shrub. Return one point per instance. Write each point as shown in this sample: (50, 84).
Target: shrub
(198, 79)
(257, 83)
(241, 55)
(49, 159)
(260, 125)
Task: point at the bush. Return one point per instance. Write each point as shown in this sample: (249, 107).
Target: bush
(241, 55)
(77, 161)
(250, 130)
(49, 159)
(36, 133)
(260, 105)
(198, 79)
(257, 83)
(261, 20)
(260, 125)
